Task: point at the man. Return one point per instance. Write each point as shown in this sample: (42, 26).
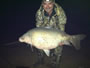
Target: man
(51, 15)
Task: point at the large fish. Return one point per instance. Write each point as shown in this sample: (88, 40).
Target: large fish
(49, 38)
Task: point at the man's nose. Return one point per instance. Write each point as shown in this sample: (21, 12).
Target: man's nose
(47, 6)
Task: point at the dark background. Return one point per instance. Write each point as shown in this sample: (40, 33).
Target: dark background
(16, 17)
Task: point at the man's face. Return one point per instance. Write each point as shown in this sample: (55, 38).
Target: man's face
(48, 6)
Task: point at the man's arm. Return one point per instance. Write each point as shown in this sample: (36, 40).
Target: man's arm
(62, 20)
(39, 18)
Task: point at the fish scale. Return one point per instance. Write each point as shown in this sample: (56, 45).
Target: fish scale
(49, 38)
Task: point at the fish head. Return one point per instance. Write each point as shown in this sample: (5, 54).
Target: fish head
(25, 39)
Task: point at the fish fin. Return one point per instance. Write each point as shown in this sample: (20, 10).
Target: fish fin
(47, 52)
(31, 48)
(67, 43)
(75, 40)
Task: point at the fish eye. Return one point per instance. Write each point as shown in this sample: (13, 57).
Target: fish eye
(22, 38)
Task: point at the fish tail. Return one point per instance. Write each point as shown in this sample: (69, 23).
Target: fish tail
(75, 40)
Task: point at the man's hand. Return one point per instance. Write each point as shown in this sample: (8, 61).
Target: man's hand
(61, 44)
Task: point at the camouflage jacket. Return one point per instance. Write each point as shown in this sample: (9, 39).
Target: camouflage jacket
(56, 20)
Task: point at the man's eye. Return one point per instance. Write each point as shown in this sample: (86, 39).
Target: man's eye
(44, 3)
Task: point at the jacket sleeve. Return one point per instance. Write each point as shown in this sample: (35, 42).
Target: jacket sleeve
(39, 18)
(62, 20)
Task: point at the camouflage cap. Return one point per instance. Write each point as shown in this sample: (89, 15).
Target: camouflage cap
(48, 0)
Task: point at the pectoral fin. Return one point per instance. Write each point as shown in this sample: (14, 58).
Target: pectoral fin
(47, 52)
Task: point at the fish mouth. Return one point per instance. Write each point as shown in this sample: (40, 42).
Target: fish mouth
(21, 39)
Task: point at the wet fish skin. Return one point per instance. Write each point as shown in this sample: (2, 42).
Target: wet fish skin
(43, 37)
(49, 38)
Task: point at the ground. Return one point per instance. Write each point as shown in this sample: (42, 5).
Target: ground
(21, 56)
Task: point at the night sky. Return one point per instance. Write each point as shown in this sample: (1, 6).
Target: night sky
(17, 17)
